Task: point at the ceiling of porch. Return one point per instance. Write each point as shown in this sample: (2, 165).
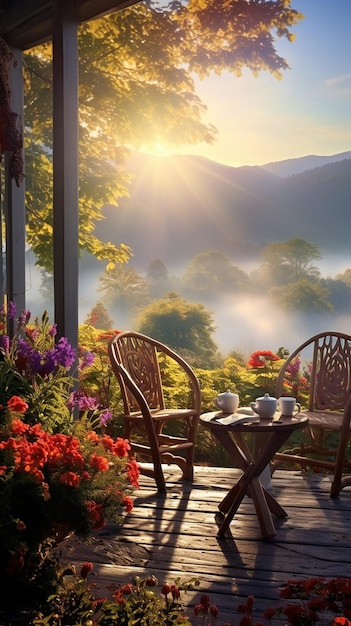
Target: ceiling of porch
(25, 23)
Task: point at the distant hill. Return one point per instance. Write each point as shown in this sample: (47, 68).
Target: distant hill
(181, 206)
(301, 164)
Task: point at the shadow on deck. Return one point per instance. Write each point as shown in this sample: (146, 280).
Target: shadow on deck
(175, 536)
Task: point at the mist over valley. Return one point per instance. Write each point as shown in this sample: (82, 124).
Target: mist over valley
(183, 206)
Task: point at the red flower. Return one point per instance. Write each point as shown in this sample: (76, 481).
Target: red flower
(128, 503)
(16, 562)
(17, 405)
(70, 478)
(133, 473)
(121, 447)
(18, 427)
(269, 613)
(261, 358)
(99, 463)
(294, 612)
(95, 512)
(87, 567)
(250, 603)
(246, 620)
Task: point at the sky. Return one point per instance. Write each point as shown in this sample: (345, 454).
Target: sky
(262, 119)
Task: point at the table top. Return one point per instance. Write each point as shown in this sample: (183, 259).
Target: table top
(278, 422)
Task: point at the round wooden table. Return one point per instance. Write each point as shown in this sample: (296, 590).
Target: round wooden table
(268, 436)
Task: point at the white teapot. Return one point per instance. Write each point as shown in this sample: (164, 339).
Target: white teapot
(265, 406)
(227, 402)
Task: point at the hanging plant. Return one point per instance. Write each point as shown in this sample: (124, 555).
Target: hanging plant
(10, 122)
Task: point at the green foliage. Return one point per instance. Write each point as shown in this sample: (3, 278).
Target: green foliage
(124, 288)
(304, 295)
(345, 277)
(181, 325)
(288, 262)
(98, 381)
(72, 602)
(37, 368)
(211, 274)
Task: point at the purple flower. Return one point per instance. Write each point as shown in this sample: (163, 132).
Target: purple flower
(53, 330)
(65, 354)
(11, 311)
(35, 362)
(5, 343)
(105, 417)
(24, 317)
(23, 348)
(50, 363)
(86, 403)
(82, 401)
(87, 360)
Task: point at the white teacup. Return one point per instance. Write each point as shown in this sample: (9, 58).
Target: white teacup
(288, 406)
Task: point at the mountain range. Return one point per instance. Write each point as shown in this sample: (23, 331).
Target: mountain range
(181, 206)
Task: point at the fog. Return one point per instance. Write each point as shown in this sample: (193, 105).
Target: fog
(250, 324)
(242, 323)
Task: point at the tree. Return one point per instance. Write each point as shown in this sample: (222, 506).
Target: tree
(213, 274)
(345, 277)
(184, 326)
(99, 317)
(158, 279)
(304, 295)
(339, 294)
(137, 89)
(288, 262)
(124, 289)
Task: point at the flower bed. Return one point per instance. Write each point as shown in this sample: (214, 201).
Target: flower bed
(52, 483)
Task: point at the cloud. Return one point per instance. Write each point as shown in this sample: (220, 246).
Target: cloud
(339, 86)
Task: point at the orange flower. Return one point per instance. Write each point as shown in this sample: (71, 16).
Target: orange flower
(70, 478)
(17, 405)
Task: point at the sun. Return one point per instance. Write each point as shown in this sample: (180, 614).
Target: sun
(158, 149)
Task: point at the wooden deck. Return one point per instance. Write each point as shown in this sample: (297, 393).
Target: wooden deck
(175, 536)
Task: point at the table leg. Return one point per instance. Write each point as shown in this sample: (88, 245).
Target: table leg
(262, 510)
(233, 499)
(249, 482)
(273, 505)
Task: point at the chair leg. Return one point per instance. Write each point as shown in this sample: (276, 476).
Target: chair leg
(159, 477)
(339, 464)
(188, 469)
(188, 473)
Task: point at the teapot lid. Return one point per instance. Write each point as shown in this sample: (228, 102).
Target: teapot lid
(266, 397)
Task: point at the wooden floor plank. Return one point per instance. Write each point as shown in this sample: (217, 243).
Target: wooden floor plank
(174, 536)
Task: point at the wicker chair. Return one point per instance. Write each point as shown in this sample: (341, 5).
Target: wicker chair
(135, 360)
(328, 407)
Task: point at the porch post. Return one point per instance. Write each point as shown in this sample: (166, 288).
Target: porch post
(14, 203)
(65, 164)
